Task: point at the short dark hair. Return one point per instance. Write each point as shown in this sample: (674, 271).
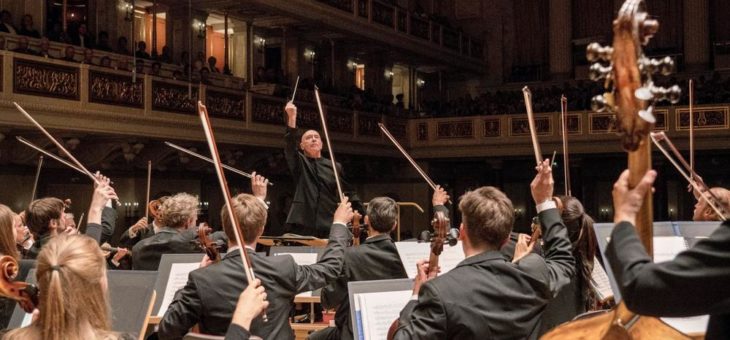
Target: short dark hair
(382, 214)
(488, 215)
(41, 212)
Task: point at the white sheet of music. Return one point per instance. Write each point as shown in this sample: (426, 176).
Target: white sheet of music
(303, 259)
(667, 247)
(178, 278)
(600, 281)
(379, 310)
(411, 252)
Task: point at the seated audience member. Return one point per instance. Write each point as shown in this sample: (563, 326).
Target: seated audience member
(82, 38)
(177, 75)
(698, 278)
(6, 22)
(205, 76)
(71, 273)
(122, 46)
(486, 296)
(69, 54)
(141, 51)
(376, 259)
(88, 57)
(579, 296)
(139, 66)
(211, 64)
(185, 62)
(8, 221)
(704, 212)
(179, 213)
(56, 33)
(155, 70)
(105, 62)
(209, 297)
(165, 56)
(23, 46)
(27, 29)
(251, 303)
(103, 43)
(45, 46)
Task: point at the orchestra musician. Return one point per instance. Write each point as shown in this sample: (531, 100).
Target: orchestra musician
(208, 298)
(486, 296)
(662, 289)
(703, 212)
(142, 229)
(316, 194)
(376, 259)
(8, 221)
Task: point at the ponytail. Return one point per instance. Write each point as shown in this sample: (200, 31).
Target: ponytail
(53, 310)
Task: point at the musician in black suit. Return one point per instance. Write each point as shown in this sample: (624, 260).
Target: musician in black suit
(316, 195)
(376, 259)
(251, 303)
(142, 229)
(209, 297)
(180, 212)
(696, 282)
(486, 296)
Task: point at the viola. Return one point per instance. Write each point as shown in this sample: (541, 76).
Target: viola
(206, 244)
(24, 293)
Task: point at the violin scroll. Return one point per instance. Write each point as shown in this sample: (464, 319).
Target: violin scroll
(206, 244)
(24, 293)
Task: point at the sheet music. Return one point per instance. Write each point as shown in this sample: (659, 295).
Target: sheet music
(600, 281)
(178, 278)
(690, 325)
(27, 319)
(411, 252)
(379, 310)
(303, 259)
(667, 247)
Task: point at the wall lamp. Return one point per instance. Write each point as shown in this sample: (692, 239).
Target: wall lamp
(420, 82)
(201, 29)
(260, 44)
(310, 56)
(388, 74)
(128, 11)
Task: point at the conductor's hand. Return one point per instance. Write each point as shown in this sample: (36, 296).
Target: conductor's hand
(344, 213)
(627, 202)
(259, 186)
(291, 114)
(250, 304)
(440, 197)
(542, 186)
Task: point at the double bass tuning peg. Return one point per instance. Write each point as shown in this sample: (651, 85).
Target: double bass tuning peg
(665, 66)
(671, 94)
(598, 71)
(596, 52)
(599, 103)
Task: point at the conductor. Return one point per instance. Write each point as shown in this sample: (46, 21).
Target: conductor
(316, 197)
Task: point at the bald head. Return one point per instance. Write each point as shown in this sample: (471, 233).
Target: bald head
(311, 144)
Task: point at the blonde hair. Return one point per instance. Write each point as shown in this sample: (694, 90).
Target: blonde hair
(251, 215)
(178, 209)
(7, 239)
(73, 304)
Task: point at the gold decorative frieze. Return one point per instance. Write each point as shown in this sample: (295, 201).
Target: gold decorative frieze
(422, 132)
(45, 79)
(705, 118)
(492, 127)
(601, 123)
(661, 119)
(115, 89)
(225, 105)
(574, 125)
(397, 127)
(339, 121)
(519, 126)
(455, 129)
(367, 125)
(173, 97)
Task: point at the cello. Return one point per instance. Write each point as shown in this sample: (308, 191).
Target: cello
(630, 94)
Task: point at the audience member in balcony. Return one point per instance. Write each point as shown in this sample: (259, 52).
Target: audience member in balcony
(165, 56)
(141, 51)
(156, 67)
(105, 62)
(185, 62)
(69, 54)
(197, 66)
(26, 27)
(82, 37)
(261, 75)
(177, 75)
(56, 33)
(88, 57)
(23, 46)
(205, 76)
(103, 43)
(45, 47)
(139, 67)
(123, 46)
(6, 22)
(200, 56)
(211, 64)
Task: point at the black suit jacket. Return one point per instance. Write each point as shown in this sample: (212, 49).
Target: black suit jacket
(316, 197)
(146, 254)
(126, 241)
(488, 297)
(376, 259)
(696, 282)
(236, 332)
(210, 295)
(100, 232)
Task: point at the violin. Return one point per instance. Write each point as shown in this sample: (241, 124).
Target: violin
(108, 249)
(206, 244)
(24, 293)
(356, 228)
(441, 235)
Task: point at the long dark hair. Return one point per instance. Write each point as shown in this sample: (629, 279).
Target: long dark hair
(585, 244)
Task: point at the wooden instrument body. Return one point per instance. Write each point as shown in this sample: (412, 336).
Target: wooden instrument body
(24, 293)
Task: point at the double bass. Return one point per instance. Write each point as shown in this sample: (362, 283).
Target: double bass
(630, 94)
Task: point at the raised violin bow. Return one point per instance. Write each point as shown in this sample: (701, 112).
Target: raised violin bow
(564, 128)
(149, 182)
(245, 260)
(691, 126)
(199, 156)
(329, 145)
(408, 157)
(52, 156)
(37, 176)
(687, 172)
(531, 122)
